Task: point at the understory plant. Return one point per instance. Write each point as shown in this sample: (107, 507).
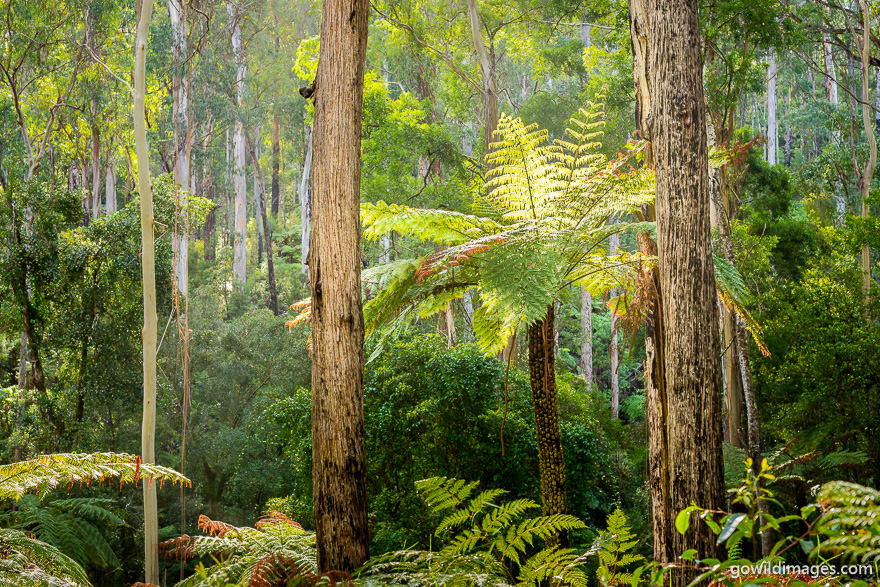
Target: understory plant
(841, 526)
(483, 541)
(26, 560)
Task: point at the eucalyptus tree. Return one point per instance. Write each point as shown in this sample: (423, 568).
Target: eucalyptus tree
(338, 441)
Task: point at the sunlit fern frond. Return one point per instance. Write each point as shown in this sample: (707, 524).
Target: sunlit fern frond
(851, 521)
(27, 562)
(441, 226)
(43, 474)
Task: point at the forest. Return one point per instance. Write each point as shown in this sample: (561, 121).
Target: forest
(439, 292)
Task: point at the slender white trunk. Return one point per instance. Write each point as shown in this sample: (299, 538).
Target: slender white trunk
(868, 172)
(110, 188)
(148, 268)
(614, 244)
(239, 255)
(305, 202)
(586, 362)
(385, 246)
(181, 172)
(877, 104)
(830, 75)
(258, 190)
(772, 125)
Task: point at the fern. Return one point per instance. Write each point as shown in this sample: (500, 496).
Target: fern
(617, 542)
(43, 474)
(275, 546)
(77, 527)
(26, 562)
(486, 541)
(851, 521)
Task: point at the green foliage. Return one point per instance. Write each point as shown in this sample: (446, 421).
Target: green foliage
(851, 521)
(76, 526)
(26, 562)
(276, 547)
(614, 555)
(484, 541)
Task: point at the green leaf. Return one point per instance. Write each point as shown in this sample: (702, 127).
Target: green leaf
(683, 519)
(730, 527)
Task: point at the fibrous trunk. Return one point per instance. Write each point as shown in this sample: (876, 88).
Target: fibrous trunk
(338, 443)
(586, 362)
(542, 377)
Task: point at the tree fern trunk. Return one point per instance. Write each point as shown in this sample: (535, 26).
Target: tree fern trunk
(338, 444)
(542, 376)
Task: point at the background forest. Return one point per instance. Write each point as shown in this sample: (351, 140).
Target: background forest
(792, 101)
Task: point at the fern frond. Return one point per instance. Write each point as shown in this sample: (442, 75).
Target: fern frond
(852, 520)
(553, 566)
(43, 474)
(26, 562)
(441, 226)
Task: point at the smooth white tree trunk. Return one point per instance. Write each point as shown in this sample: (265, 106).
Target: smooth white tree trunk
(110, 188)
(177, 13)
(305, 202)
(239, 254)
(258, 191)
(148, 269)
(772, 124)
(613, 350)
(586, 362)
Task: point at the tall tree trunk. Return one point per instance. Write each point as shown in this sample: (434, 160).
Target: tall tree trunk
(772, 124)
(684, 409)
(787, 101)
(261, 206)
(487, 73)
(254, 148)
(586, 362)
(877, 103)
(542, 377)
(181, 136)
(95, 201)
(110, 188)
(148, 268)
(613, 347)
(338, 445)
(305, 201)
(276, 165)
(239, 247)
(868, 173)
(830, 75)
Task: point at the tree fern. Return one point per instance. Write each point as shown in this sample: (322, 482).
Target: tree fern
(484, 541)
(44, 473)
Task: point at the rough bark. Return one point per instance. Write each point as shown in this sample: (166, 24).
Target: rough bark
(586, 361)
(239, 240)
(338, 445)
(542, 377)
(684, 408)
(148, 269)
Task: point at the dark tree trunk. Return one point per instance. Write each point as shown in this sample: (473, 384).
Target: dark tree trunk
(542, 377)
(685, 403)
(338, 445)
